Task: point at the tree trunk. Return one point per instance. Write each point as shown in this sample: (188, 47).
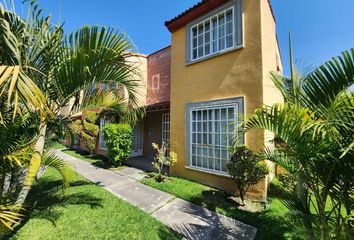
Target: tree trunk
(34, 166)
(302, 194)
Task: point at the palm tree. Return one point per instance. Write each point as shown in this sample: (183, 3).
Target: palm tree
(314, 130)
(42, 71)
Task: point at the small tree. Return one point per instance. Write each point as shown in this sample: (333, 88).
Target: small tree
(161, 160)
(119, 142)
(246, 170)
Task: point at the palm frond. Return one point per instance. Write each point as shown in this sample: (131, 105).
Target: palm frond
(49, 159)
(9, 215)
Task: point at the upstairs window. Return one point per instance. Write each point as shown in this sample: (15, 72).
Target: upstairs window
(218, 32)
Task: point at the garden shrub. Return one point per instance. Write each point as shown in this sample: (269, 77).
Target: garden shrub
(119, 142)
(161, 159)
(246, 169)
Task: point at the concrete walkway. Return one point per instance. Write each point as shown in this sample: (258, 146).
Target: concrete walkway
(191, 221)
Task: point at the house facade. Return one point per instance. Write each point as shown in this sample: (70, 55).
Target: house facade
(195, 91)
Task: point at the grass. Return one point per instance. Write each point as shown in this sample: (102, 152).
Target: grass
(272, 223)
(98, 161)
(55, 144)
(84, 211)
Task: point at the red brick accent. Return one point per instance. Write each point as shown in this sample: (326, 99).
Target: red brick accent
(158, 76)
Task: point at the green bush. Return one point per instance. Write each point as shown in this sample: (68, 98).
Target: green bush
(246, 169)
(119, 142)
(89, 141)
(91, 129)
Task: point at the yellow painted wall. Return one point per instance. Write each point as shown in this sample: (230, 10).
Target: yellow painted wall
(233, 74)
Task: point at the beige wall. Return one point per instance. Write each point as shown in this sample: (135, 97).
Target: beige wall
(271, 63)
(234, 74)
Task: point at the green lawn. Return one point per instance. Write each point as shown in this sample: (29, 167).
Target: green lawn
(85, 211)
(273, 223)
(97, 160)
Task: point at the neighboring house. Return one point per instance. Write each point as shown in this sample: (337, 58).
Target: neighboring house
(217, 69)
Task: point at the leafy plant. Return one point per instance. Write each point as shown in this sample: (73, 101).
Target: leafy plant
(119, 142)
(315, 126)
(288, 181)
(246, 169)
(160, 160)
(47, 73)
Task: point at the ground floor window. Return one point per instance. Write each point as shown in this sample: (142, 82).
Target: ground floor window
(211, 126)
(101, 141)
(166, 129)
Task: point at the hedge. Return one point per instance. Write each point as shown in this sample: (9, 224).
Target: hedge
(119, 142)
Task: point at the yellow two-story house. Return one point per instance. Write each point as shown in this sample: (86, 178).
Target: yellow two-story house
(222, 53)
(196, 90)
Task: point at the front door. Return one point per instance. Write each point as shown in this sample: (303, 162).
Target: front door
(137, 147)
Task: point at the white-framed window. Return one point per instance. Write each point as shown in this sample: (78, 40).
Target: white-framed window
(166, 129)
(211, 133)
(219, 31)
(101, 141)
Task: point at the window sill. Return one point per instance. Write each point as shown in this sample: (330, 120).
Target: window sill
(188, 63)
(208, 172)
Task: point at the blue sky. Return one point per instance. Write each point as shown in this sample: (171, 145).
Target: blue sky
(320, 28)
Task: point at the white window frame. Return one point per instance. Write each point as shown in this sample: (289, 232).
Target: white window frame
(209, 151)
(213, 38)
(166, 129)
(237, 32)
(102, 144)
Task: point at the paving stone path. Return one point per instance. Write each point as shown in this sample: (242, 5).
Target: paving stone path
(190, 220)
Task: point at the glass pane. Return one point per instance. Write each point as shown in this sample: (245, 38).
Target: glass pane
(205, 115)
(229, 15)
(217, 114)
(200, 40)
(214, 22)
(207, 26)
(199, 115)
(205, 127)
(229, 28)
(200, 52)
(194, 42)
(217, 139)
(223, 113)
(229, 41)
(200, 29)
(221, 19)
(194, 31)
(217, 164)
(194, 127)
(215, 46)
(207, 49)
(211, 163)
(205, 138)
(231, 113)
(199, 127)
(221, 43)
(194, 138)
(224, 154)
(195, 53)
(205, 162)
(194, 161)
(194, 150)
(217, 127)
(223, 126)
(199, 161)
(223, 165)
(207, 37)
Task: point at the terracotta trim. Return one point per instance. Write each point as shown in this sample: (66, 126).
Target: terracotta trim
(192, 13)
(197, 10)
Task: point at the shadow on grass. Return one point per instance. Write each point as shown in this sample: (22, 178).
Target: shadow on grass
(96, 160)
(47, 195)
(269, 224)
